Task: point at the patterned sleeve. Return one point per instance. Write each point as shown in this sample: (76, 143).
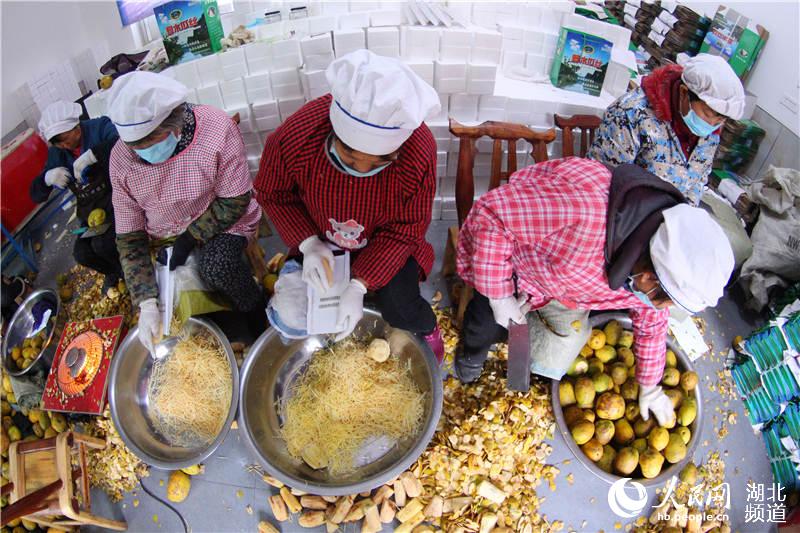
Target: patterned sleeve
(392, 244)
(277, 193)
(650, 330)
(233, 175)
(128, 214)
(220, 215)
(615, 141)
(134, 254)
(484, 253)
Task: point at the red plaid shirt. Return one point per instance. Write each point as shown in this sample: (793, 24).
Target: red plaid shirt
(548, 225)
(164, 199)
(382, 219)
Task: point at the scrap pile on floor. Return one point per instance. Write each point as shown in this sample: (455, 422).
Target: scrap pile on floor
(479, 473)
(114, 469)
(81, 292)
(696, 503)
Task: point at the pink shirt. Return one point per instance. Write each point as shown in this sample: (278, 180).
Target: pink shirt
(163, 199)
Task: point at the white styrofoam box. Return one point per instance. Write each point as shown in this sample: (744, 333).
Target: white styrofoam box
(450, 78)
(507, 12)
(386, 17)
(95, 103)
(285, 77)
(541, 117)
(289, 105)
(512, 32)
(245, 121)
(210, 95)
(533, 41)
(209, 69)
(457, 37)
(354, 19)
(458, 54)
(550, 44)
(285, 54)
(487, 56)
(233, 72)
(512, 60)
(488, 39)
(258, 88)
(536, 64)
(270, 32)
(512, 45)
(617, 35)
(551, 19)
(383, 37)
(233, 93)
(284, 92)
(482, 72)
(191, 97)
(346, 41)
(480, 86)
(436, 209)
(439, 128)
(423, 69)
(265, 109)
(492, 102)
(450, 85)
(335, 8)
(253, 163)
(318, 44)
(314, 83)
(531, 16)
(232, 57)
(441, 117)
(296, 27)
(441, 158)
(364, 5)
(518, 111)
(464, 107)
(419, 43)
(322, 24)
(258, 57)
(267, 123)
(443, 143)
(483, 13)
(186, 73)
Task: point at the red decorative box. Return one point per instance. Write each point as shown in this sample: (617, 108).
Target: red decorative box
(79, 374)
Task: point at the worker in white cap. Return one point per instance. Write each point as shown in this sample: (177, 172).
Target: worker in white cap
(568, 236)
(670, 125)
(181, 178)
(77, 159)
(356, 169)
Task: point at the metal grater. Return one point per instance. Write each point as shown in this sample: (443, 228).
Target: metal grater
(322, 309)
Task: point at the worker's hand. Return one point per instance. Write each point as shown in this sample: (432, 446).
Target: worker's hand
(149, 323)
(183, 246)
(57, 177)
(507, 309)
(81, 164)
(315, 254)
(652, 399)
(351, 308)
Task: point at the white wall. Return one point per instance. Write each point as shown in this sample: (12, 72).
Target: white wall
(39, 35)
(777, 72)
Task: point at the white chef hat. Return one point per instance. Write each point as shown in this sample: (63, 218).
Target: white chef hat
(714, 81)
(59, 117)
(140, 101)
(378, 101)
(692, 257)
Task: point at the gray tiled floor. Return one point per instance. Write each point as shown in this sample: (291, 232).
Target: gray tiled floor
(219, 499)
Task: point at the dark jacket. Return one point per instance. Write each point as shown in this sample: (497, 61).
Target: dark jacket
(636, 201)
(97, 191)
(94, 132)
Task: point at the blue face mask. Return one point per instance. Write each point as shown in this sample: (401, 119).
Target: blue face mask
(643, 296)
(697, 125)
(159, 152)
(352, 171)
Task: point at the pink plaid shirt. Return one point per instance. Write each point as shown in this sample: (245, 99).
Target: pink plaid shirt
(548, 225)
(164, 199)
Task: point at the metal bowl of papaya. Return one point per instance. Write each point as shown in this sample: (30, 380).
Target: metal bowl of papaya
(272, 368)
(33, 333)
(668, 469)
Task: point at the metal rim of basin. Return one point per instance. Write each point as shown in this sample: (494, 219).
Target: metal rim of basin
(113, 373)
(369, 483)
(696, 426)
(22, 312)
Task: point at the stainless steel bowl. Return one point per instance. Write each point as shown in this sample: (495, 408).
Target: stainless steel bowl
(267, 375)
(129, 376)
(696, 427)
(21, 326)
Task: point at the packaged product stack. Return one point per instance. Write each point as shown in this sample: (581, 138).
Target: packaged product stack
(739, 142)
(673, 32)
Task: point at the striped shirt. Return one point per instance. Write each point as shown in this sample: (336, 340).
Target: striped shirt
(381, 219)
(548, 225)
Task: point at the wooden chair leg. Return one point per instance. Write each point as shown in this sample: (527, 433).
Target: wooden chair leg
(450, 248)
(90, 519)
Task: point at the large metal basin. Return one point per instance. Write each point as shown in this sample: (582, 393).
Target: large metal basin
(696, 427)
(21, 326)
(268, 373)
(129, 377)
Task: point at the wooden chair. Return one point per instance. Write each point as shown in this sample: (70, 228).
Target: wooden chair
(587, 124)
(49, 483)
(465, 180)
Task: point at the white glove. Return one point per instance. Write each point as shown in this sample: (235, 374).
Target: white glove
(82, 163)
(351, 308)
(315, 253)
(57, 177)
(652, 399)
(508, 309)
(149, 323)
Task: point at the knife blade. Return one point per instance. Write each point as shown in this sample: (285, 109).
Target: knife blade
(519, 358)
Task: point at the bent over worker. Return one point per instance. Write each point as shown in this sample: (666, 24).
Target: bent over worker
(357, 169)
(180, 176)
(577, 237)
